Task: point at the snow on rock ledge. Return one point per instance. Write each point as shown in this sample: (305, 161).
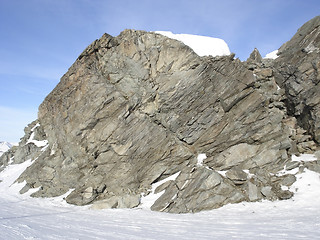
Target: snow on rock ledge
(41, 143)
(200, 158)
(201, 45)
(149, 200)
(272, 55)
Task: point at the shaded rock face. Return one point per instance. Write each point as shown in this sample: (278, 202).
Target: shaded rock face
(137, 108)
(298, 72)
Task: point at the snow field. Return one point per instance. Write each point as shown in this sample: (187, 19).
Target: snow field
(23, 217)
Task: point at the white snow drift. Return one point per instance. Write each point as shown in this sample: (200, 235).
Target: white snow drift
(272, 55)
(201, 45)
(31, 139)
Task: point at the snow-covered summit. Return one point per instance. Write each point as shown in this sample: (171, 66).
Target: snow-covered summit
(201, 45)
(4, 146)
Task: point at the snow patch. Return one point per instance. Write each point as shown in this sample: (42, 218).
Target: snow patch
(285, 172)
(200, 158)
(306, 188)
(311, 48)
(35, 126)
(250, 175)
(11, 160)
(301, 158)
(149, 200)
(42, 143)
(9, 189)
(45, 147)
(223, 173)
(272, 55)
(9, 175)
(304, 158)
(30, 191)
(31, 139)
(201, 45)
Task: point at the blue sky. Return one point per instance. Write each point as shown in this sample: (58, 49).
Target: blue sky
(40, 39)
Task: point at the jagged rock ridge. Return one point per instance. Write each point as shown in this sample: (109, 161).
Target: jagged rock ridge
(140, 107)
(4, 146)
(298, 71)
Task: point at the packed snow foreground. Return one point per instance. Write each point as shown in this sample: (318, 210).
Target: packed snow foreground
(23, 217)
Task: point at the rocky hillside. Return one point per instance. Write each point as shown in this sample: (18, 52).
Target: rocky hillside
(4, 146)
(141, 114)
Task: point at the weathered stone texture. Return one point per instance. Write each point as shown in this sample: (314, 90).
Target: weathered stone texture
(137, 108)
(298, 72)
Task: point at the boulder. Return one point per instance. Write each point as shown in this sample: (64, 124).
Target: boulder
(236, 175)
(136, 109)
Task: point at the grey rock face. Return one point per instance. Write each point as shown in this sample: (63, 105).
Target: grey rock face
(236, 175)
(137, 108)
(198, 189)
(298, 72)
(4, 146)
(27, 149)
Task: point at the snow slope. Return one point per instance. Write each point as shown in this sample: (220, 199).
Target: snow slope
(201, 45)
(4, 146)
(22, 217)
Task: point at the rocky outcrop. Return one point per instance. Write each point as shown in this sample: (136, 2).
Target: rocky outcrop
(138, 108)
(28, 149)
(298, 72)
(4, 146)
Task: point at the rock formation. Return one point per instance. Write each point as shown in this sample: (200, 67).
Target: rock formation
(4, 146)
(297, 70)
(135, 109)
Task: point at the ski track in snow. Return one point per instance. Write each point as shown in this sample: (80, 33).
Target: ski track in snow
(23, 217)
